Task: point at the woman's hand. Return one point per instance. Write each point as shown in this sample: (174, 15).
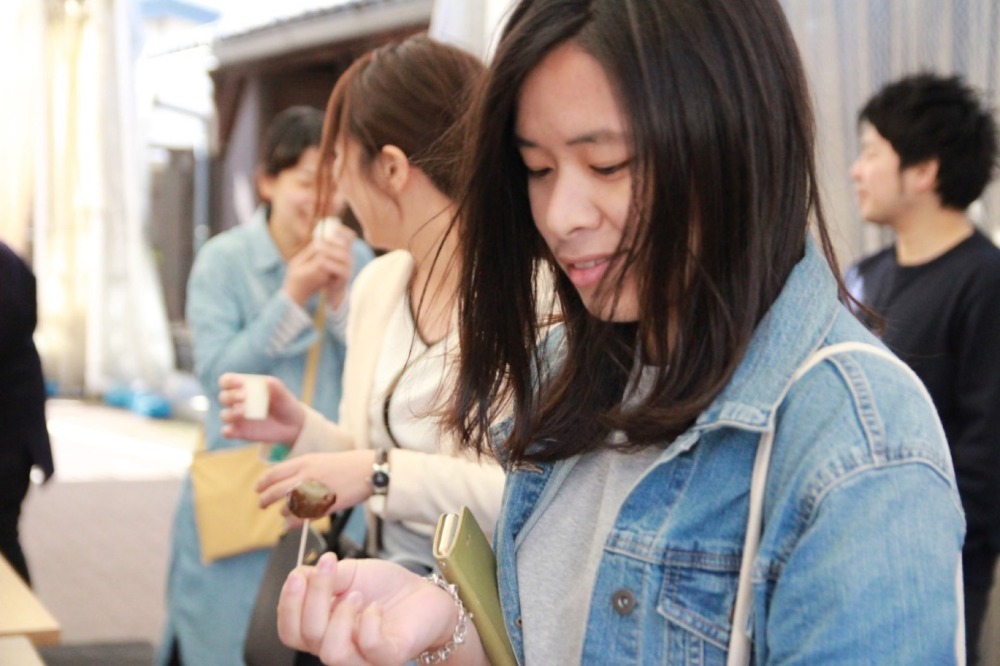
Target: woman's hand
(340, 259)
(347, 473)
(285, 413)
(368, 612)
(324, 262)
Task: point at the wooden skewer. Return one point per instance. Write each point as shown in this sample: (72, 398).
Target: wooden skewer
(302, 543)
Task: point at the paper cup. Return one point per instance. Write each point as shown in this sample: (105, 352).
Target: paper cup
(326, 229)
(257, 398)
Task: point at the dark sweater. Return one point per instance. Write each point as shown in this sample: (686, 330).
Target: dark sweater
(943, 319)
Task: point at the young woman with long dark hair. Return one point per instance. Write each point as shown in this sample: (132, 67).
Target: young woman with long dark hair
(659, 155)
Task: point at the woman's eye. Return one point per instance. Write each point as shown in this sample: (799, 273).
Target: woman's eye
(610, 170)
(536, 173)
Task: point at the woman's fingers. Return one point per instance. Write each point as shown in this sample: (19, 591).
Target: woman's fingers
(230, 397)
(316, 605)
(338, 645)
(335, 260)
(280, 472)
(276, 388)
(373, 642)
(277, 480)
(344, 235)
(274, 493)
(312, 618)
(229, 380)
(362, 612)
(270, 495)
(290, 607)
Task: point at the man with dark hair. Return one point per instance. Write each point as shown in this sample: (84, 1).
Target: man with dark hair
(928, 150)
(24, 439)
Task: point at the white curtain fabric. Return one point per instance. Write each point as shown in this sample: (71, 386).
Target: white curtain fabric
(851, 48)
(20, 49)
(473, 26)
(102, 322)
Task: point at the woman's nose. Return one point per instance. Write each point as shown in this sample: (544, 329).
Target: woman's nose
(571, 206)
(855, 171)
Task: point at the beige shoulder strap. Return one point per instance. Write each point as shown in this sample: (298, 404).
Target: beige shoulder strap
(312, 360)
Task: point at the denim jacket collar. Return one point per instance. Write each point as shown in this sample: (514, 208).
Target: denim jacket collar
(264, 253)
(793, 328)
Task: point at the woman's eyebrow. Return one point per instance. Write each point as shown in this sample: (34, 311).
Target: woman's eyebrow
(597, 136)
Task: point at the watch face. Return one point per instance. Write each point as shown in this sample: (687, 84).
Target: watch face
(380, 480)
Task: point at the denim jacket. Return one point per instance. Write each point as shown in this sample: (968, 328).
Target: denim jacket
(859, 561)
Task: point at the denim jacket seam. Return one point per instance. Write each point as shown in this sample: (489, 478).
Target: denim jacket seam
(771, 568)
(869, 451)
(658, 555)
(875, 437)
(816, 501)
(819, 489)
(871, 448)
(863, 397)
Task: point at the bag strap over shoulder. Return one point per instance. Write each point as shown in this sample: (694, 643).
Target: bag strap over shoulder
(312, 361)
(739, 636)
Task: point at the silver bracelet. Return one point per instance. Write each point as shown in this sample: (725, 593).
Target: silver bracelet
(457, 638)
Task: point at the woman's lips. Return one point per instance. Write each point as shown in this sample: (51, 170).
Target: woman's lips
(586, 274)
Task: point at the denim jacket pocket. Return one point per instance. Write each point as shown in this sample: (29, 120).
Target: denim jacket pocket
(697, 598)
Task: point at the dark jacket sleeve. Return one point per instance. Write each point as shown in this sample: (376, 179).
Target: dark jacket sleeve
(22, 396)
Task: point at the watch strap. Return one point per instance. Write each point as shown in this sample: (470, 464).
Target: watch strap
(379, 482)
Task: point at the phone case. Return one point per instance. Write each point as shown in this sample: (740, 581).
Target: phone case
(465, 558)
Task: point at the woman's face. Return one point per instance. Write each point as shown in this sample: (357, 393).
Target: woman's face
(372, 206)
(292, 195)
(572, 138)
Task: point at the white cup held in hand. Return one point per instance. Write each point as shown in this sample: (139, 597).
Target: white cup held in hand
(257, 397)
(326, 229)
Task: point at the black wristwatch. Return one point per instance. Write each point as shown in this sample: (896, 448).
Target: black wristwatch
(379, 482)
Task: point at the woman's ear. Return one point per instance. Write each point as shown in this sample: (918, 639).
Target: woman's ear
(393, 168)
(265, 186)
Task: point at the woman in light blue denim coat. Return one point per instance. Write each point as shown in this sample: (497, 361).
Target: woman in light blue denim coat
(659, 154)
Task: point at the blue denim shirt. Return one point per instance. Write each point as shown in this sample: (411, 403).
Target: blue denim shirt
(860, 552)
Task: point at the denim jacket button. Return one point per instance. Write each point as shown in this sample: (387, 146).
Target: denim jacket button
(517, 622)
(623, 601)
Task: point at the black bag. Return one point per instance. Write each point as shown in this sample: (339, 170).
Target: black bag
(341, 543)
(262, 646)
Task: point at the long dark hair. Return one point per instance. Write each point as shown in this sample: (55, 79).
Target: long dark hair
(722, 136)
